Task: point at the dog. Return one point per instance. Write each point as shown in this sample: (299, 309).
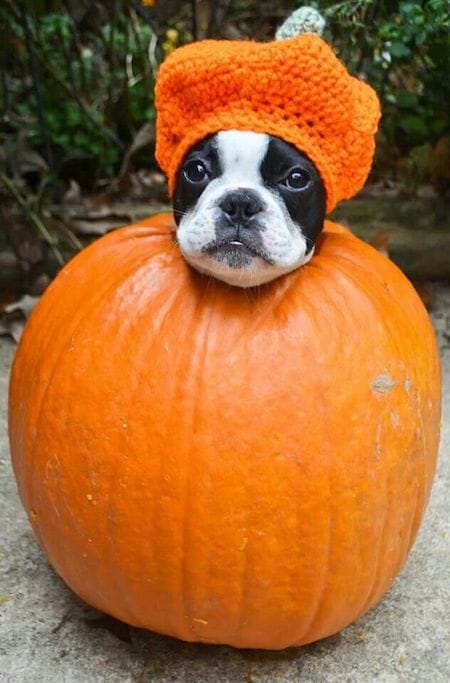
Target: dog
(248, 207)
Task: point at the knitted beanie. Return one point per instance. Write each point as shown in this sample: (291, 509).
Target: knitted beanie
(294, 88)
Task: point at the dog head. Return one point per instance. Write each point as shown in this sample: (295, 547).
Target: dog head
(248, 207)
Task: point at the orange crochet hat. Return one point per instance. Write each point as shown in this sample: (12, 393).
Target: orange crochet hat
(294, 88)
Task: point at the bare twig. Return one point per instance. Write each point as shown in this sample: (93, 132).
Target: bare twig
(212, 19)
(111, 49)
(5, 94)
(145, 14)
(33, 217)
(40, 194)
(194, 20)
(76, 42)
(73, 239)
(36, 86)
(152, 46)
(142, 51)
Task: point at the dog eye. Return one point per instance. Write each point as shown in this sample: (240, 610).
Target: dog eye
(195, 171)
(297, 179)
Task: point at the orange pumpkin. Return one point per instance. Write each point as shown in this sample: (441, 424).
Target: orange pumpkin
(225, 465)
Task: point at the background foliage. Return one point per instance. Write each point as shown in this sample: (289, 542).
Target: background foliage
(77, 114)
(76, 77)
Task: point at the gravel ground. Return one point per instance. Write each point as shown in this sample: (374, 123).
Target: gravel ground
(47, 634)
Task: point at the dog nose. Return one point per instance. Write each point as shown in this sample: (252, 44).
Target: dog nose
(241, 205)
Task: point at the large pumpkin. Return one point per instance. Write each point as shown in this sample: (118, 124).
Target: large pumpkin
(225, 465)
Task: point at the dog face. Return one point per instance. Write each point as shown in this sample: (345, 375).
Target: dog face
(248, 207)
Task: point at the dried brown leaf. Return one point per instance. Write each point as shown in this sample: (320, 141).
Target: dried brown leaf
(380, 241)
(73, 194)
(12, 327)
(144, 137)
(425, 293)
(24, 305)
(15, 315)
(98, 226)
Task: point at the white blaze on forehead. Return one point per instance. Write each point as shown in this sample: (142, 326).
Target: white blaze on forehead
(241, 154)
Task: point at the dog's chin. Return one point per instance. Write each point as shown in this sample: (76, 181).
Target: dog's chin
(237, 265)
(234, 253)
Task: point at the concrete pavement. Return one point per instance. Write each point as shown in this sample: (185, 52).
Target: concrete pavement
(48, 635)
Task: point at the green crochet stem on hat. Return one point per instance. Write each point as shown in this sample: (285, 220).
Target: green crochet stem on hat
(303, 20)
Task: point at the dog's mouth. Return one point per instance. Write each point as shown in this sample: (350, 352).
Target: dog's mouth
(235, 253)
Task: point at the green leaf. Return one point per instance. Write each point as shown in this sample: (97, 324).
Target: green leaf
(407, 100)
(414, 125)
(399, 50)
(407, 7)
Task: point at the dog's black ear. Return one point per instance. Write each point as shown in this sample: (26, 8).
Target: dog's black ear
(200, 166)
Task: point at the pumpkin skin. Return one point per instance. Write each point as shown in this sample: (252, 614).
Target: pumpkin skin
(225, 465)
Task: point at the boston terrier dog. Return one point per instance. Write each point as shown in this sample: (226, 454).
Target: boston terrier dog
(248, 207)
